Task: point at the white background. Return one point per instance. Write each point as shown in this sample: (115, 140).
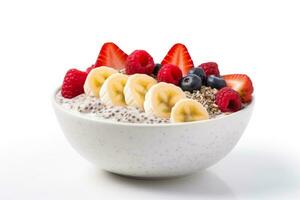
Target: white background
(40, 40)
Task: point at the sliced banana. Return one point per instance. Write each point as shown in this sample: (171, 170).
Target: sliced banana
(136, 88)
(111, 92)
(96, 78)
(160, 99)
(188, 110)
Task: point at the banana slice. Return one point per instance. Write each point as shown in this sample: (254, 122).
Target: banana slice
(135, 89)
(160, 99)
(188, 110)
(95, 80)
(111, 92)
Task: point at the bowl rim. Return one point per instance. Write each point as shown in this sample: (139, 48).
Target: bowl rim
(110, 122)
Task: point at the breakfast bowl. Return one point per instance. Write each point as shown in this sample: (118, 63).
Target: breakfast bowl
(152, 150)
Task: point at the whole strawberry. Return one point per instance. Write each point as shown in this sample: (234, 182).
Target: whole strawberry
(139, 62)
(73, 83)
(170, 74)
(210, 68)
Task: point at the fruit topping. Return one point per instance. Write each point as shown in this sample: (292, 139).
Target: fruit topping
(170, 74)
(73, 83)
(156, 69)
(172, 90)
(135, 89)
(178, 55)
(160, 99)
(111, 93)
(112, 56)
(90, 68)
(242, 84)
(139, 62)
(228, 100)
(95, 80)
(210, 68)
(199, 72)
(215, 82)
(190, 83)
(188, 110)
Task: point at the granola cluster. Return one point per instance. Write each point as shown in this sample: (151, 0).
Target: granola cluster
(206, 96)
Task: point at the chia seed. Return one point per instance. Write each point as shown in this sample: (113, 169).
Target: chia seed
(206, 96)
(91, 106)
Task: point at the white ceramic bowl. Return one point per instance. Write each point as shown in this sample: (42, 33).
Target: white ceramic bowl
(152, 151)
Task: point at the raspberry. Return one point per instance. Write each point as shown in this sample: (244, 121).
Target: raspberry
(228, 100)
(73, 83)
(210, 68)
(170, 74)
(139, 61)
(90, 68)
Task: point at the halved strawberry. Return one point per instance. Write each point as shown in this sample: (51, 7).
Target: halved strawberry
(111, 56)
(242, 84)
(178, 55)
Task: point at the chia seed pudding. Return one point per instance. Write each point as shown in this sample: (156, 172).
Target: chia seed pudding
(93, 107)
(134, 89)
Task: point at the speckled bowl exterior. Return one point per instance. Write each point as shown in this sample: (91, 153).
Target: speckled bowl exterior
(152, 151)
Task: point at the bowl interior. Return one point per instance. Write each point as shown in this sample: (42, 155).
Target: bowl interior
(86, 117)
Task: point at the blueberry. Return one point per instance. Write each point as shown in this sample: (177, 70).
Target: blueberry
(156, 69)
(191, 82)
(199, 72)
(215, 82)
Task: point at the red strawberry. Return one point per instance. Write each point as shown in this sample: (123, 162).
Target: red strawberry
(178, 55)
(111, 56)
(242, 84)
(170, 74)
(73, 83)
